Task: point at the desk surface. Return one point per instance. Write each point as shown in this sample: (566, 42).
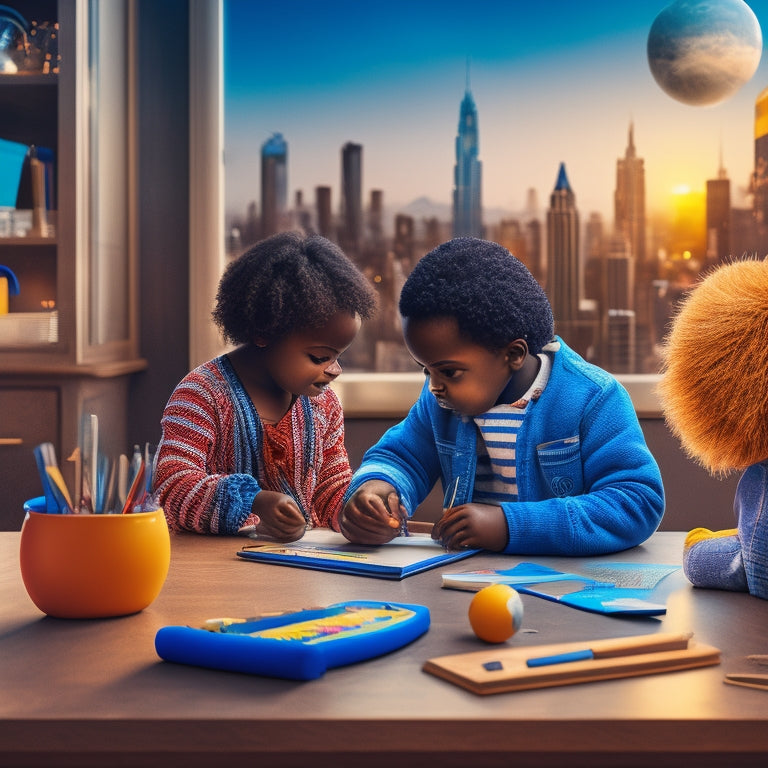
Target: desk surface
(94, 693)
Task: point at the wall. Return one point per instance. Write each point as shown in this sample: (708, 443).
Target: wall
(163, 190)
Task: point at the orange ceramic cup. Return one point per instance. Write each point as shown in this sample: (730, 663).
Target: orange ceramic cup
(92, 566)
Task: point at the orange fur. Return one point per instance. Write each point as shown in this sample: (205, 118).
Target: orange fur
(714, 388)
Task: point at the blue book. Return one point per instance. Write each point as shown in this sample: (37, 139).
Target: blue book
(12, 156)
(322, 549)
(608, 588)
(25, 196)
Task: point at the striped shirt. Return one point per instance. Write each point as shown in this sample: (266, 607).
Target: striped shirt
(215, 454)
(496, 473)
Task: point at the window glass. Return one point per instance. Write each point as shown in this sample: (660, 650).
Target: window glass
(545, 126)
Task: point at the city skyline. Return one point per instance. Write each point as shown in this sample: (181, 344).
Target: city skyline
(558, 83)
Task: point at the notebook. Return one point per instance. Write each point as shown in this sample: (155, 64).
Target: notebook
(325, 550)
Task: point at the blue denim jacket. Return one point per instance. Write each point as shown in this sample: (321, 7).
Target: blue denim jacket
(587, 483)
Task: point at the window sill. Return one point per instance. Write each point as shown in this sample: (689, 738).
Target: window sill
(390, 395)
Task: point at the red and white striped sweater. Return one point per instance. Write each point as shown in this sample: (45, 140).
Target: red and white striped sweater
(215, 454)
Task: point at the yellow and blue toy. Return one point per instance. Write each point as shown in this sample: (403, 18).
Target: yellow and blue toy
(9, 286)
(715, 400)
(299, 645)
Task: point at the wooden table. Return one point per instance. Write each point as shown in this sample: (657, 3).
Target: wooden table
(94, 693)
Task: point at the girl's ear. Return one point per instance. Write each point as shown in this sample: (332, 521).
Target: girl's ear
(516, 352)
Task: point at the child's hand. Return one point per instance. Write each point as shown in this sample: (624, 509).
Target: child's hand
(279, 516)
(472, 526)
(373, 515)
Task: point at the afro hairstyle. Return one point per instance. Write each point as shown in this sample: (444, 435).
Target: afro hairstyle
(715, 361)
(289, 282)
(492, 295)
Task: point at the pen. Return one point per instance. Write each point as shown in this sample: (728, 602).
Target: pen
(748, 680)
(631, 646)
(448, 501)
(399, 523)
(448, 504)
(561, 658)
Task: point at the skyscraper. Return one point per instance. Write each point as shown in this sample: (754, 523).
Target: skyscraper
(533, 236)
(618, 322)
(629, 199)
(274, 184)
(760, 176)
(376, 217)
(323, 212)
(575, 319)
(630, 224)
(719, 218)
(467, 173)
(563, 269)
(351, 231)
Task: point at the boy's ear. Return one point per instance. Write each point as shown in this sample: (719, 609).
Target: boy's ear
(516, 352)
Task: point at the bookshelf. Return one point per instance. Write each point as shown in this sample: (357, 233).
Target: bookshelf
(70, 340)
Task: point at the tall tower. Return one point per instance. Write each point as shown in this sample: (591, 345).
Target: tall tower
(323, 212)
(619, 350)
(563, 272)
(351, 233)
(467, 173)
(376, 216)
(760, 175)
(629, 199)
(719, 217)
(630, 223)
(274, 184)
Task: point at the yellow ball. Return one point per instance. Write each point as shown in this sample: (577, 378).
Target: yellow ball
(496, 613)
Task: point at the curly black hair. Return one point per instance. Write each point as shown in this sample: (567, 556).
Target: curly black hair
(288, 282)
(492, 295)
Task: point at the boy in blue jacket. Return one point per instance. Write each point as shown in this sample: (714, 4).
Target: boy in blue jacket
(543, 450)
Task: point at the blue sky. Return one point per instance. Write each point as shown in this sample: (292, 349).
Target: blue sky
(553, 80)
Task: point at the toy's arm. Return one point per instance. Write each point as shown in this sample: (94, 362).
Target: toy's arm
(712, 559)
(735, 559)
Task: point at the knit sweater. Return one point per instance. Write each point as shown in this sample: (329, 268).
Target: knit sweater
(215, 454)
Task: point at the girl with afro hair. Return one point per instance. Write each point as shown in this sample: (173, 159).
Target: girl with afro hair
(539, 451)
(253, 440)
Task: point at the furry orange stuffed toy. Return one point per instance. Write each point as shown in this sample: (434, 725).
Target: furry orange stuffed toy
(714, 394)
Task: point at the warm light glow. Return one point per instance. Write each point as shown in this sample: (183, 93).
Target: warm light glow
(686, 254)
(681, 189)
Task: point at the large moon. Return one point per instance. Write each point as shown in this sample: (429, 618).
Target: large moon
(702, 51)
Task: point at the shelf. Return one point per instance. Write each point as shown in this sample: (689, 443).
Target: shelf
(28, 78)
(6, 242)
(107, 370)
(72, 330)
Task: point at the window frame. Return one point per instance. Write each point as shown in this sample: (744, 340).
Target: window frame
(363, 395)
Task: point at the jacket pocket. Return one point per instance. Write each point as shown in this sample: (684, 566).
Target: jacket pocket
(452, 460)
(560, 465)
